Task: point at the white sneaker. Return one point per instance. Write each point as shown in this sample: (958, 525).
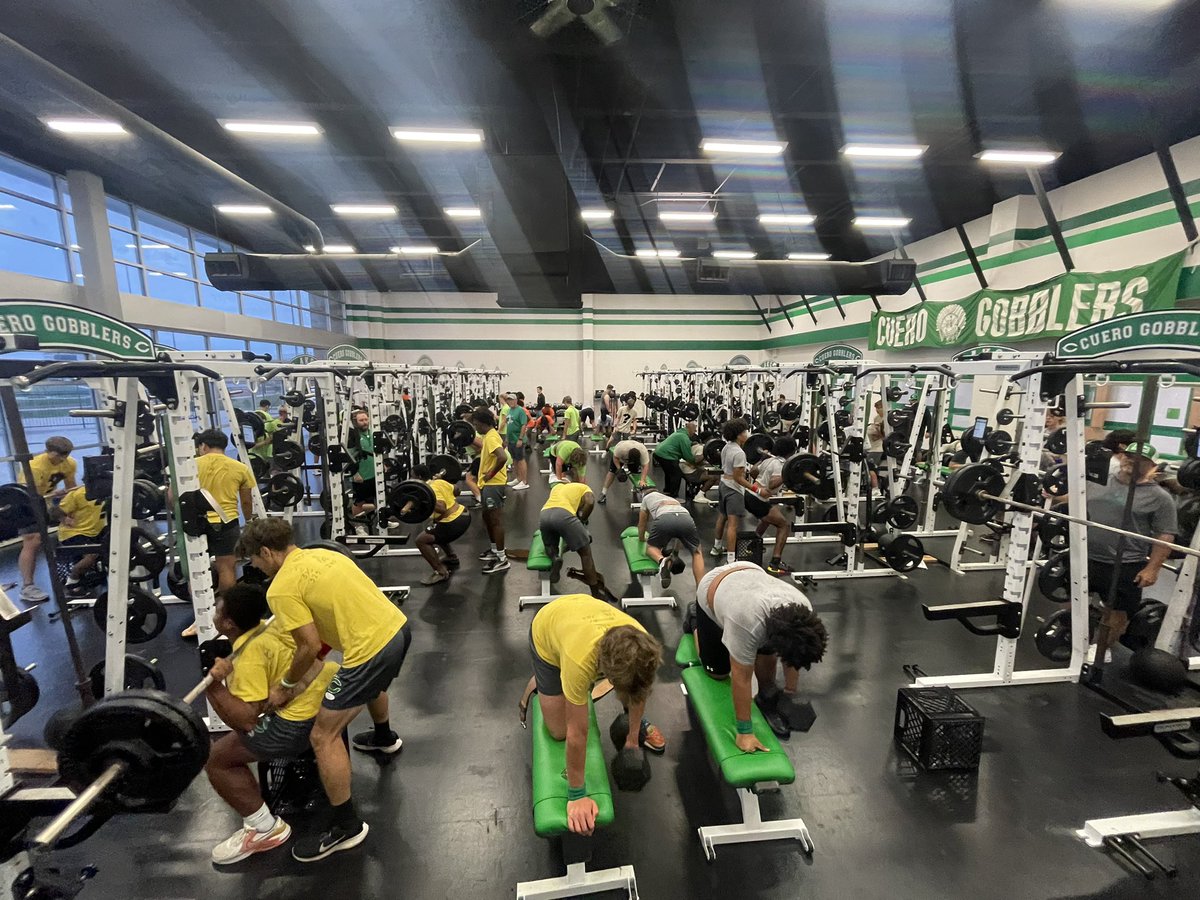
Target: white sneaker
(1091, 656)
(520, 486)
(247, 841)
(716, 551)
(31, 593)
(513, 483)
(361, 530)
(703, 500)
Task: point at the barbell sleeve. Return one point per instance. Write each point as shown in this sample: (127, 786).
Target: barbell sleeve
(77, 807)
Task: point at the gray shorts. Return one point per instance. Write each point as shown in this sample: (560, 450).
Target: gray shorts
(274, 737)
(492, 496)
(363, 683)
(731, 502)
(547, 677)
(559, 525)
(669, 527)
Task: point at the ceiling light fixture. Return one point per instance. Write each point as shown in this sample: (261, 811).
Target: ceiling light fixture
(681, 216)
(786, 219)
(417, 250)
(884, 151)
(463, 212)
(331, 248)
(734, 254)
(808, 257)
(649, 253)
(7, 206)
(438, 136)
(273, 129)
(241, 209)
(756, 148)
(363, 209)
(85, 126)
(884, 222)
(1018, 157)
(596, 214)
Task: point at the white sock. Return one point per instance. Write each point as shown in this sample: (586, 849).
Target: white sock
(261, 820)
(729, 557)
(494, 550)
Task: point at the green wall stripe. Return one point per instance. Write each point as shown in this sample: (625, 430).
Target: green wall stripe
(721, 323)
(508, 345)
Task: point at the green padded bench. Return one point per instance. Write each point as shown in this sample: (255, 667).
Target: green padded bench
(538, 562)
(748, 774)
(550, 813)
(644, 569)
(636, 491)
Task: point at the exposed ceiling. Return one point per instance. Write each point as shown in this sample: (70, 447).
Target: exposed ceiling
(604, 109)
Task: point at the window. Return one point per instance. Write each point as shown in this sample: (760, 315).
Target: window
(163, 230)
(262, 347)
(129, 280)
(256, 306)
(168, 287)
(224, 343)
(225, 301)
(21, 216)
(32, 258)
(19, 178)
(180, 340)
(33, 226)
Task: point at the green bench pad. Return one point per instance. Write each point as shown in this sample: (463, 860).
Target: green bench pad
(550, 775)
(635, 553)
(686, 654)
(712, 699)
(538, 560)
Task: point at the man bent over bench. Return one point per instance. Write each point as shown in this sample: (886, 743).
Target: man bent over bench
(563, 524)
(569, 459)
(663, 519)
(747, 620)
(573, 642)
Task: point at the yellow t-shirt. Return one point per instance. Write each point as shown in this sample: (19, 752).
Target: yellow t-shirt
(566, 633)
(44, 470)
(567, 495)
(224, 477)
(264, 662)
(491, 443)
(329, 590)
(564, 449)
(571, 414)
(88, 515)
(444, 491)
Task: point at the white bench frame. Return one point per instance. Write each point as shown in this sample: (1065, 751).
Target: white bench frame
(539, 599)
(648, 597)
(579, 880)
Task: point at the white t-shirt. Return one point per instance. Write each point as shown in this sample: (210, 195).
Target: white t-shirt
(622, 450)
(625, 417)
(659, 504)
(743, 600)
(769, 468)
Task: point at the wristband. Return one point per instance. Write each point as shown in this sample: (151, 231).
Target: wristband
(576, 793)
(745, 726)
(288, 684)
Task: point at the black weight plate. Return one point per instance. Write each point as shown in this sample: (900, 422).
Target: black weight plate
(690, 412)
(393, 423)
(138, 674)
(146, 616)
(803, 436)
(712, 451)
(261, 469)
(294, 399)
(252, 421)
(899, 419)
(19, 698)
(144, 425)
(959, 494)
(1144, 625)
(316, 445)
(854, 449)
(288, 455)
(1054, 578)
(1053, 533)
(788, 411)
(460, 434)
(1189, 474)
(283, 490)
(16, 506)
(414, 502)
(147, 499)
(895, 446)
(902, 512)
(163, 743)
(1053, 639)
(902, 552)
(445, 467)
(802, 473)
(177, 584)
(998, 443)
(771, 420)
(1054, 481)
(1005, 416)
(842, 419)
(972, 445)
(1056, 441)
(893, 394)
(147, 554)
(756, 446)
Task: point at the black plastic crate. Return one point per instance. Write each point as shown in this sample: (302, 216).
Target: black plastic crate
(938, 729)
(749, 547)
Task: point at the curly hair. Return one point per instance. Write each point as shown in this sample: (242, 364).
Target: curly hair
(578, 461)
(731, 429)
(630, 659)
(797, 634)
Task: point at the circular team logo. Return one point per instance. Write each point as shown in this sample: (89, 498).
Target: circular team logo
(951, 322)
(335, 687)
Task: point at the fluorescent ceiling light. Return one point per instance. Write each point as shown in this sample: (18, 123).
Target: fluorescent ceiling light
(734, 254)
(463, 212)
(596, 214)
(649, 253)
(1019, 157)
(363, 209)
(85, 126)
(884, 151)
(422, 250)
(7, 206)
(154, 274)
(786, 219)
(760, 148)
(808, 256)
(439, 136)
(280, 129)
(331, 248)
(238, 209)
(881, 221)
(681, 216)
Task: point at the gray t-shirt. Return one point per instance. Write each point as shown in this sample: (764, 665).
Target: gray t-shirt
(743, 600)
(622, 450)
(732, 457)
(1153, 513)
(769, 468)
(659, 504)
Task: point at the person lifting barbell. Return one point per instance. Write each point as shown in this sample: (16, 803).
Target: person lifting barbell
(53, 475)
(431, 495)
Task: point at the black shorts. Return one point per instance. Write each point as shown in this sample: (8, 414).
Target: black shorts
(364, 491)
(1129, 595)
(756, 505)
(223, 538)
(363, 683)
(633, 466)
(445, 533)
(714, 655)
(473, 468)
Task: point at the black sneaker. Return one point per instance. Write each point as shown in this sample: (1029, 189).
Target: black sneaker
(498, 564)
(664, 572)
(769, 707)
(452, 562)
(369, 742)
(556, 569)
(334, 840)
(486, 555)
(602, 499)
(778, 567)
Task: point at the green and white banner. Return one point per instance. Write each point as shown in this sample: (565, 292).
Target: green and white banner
(1172, 329)
(1049, 309)
(60, 326)
(836, 353)
(346, 353)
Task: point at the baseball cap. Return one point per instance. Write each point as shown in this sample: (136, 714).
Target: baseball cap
(1141, 448)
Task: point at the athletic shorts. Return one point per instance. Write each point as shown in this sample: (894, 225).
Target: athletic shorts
(756, 505)
(713, 653)
(364, 491)
(558, 526)
(274, 737)
(448, 532)
(548, 678)
(730, 502)
(633, 466)
(492, 496)
(363, 683)
(1129, 595)
(674, 527)
(223, 538)
(514, 451)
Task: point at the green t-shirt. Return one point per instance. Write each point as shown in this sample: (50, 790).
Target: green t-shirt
(517, 417)
(676, 447)
(564, 449)
(270, 426)
(366, 462)
(571, 414)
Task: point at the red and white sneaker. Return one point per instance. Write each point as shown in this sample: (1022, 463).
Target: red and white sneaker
(247, 841)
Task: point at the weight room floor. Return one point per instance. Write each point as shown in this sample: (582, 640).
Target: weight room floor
(450, 816)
